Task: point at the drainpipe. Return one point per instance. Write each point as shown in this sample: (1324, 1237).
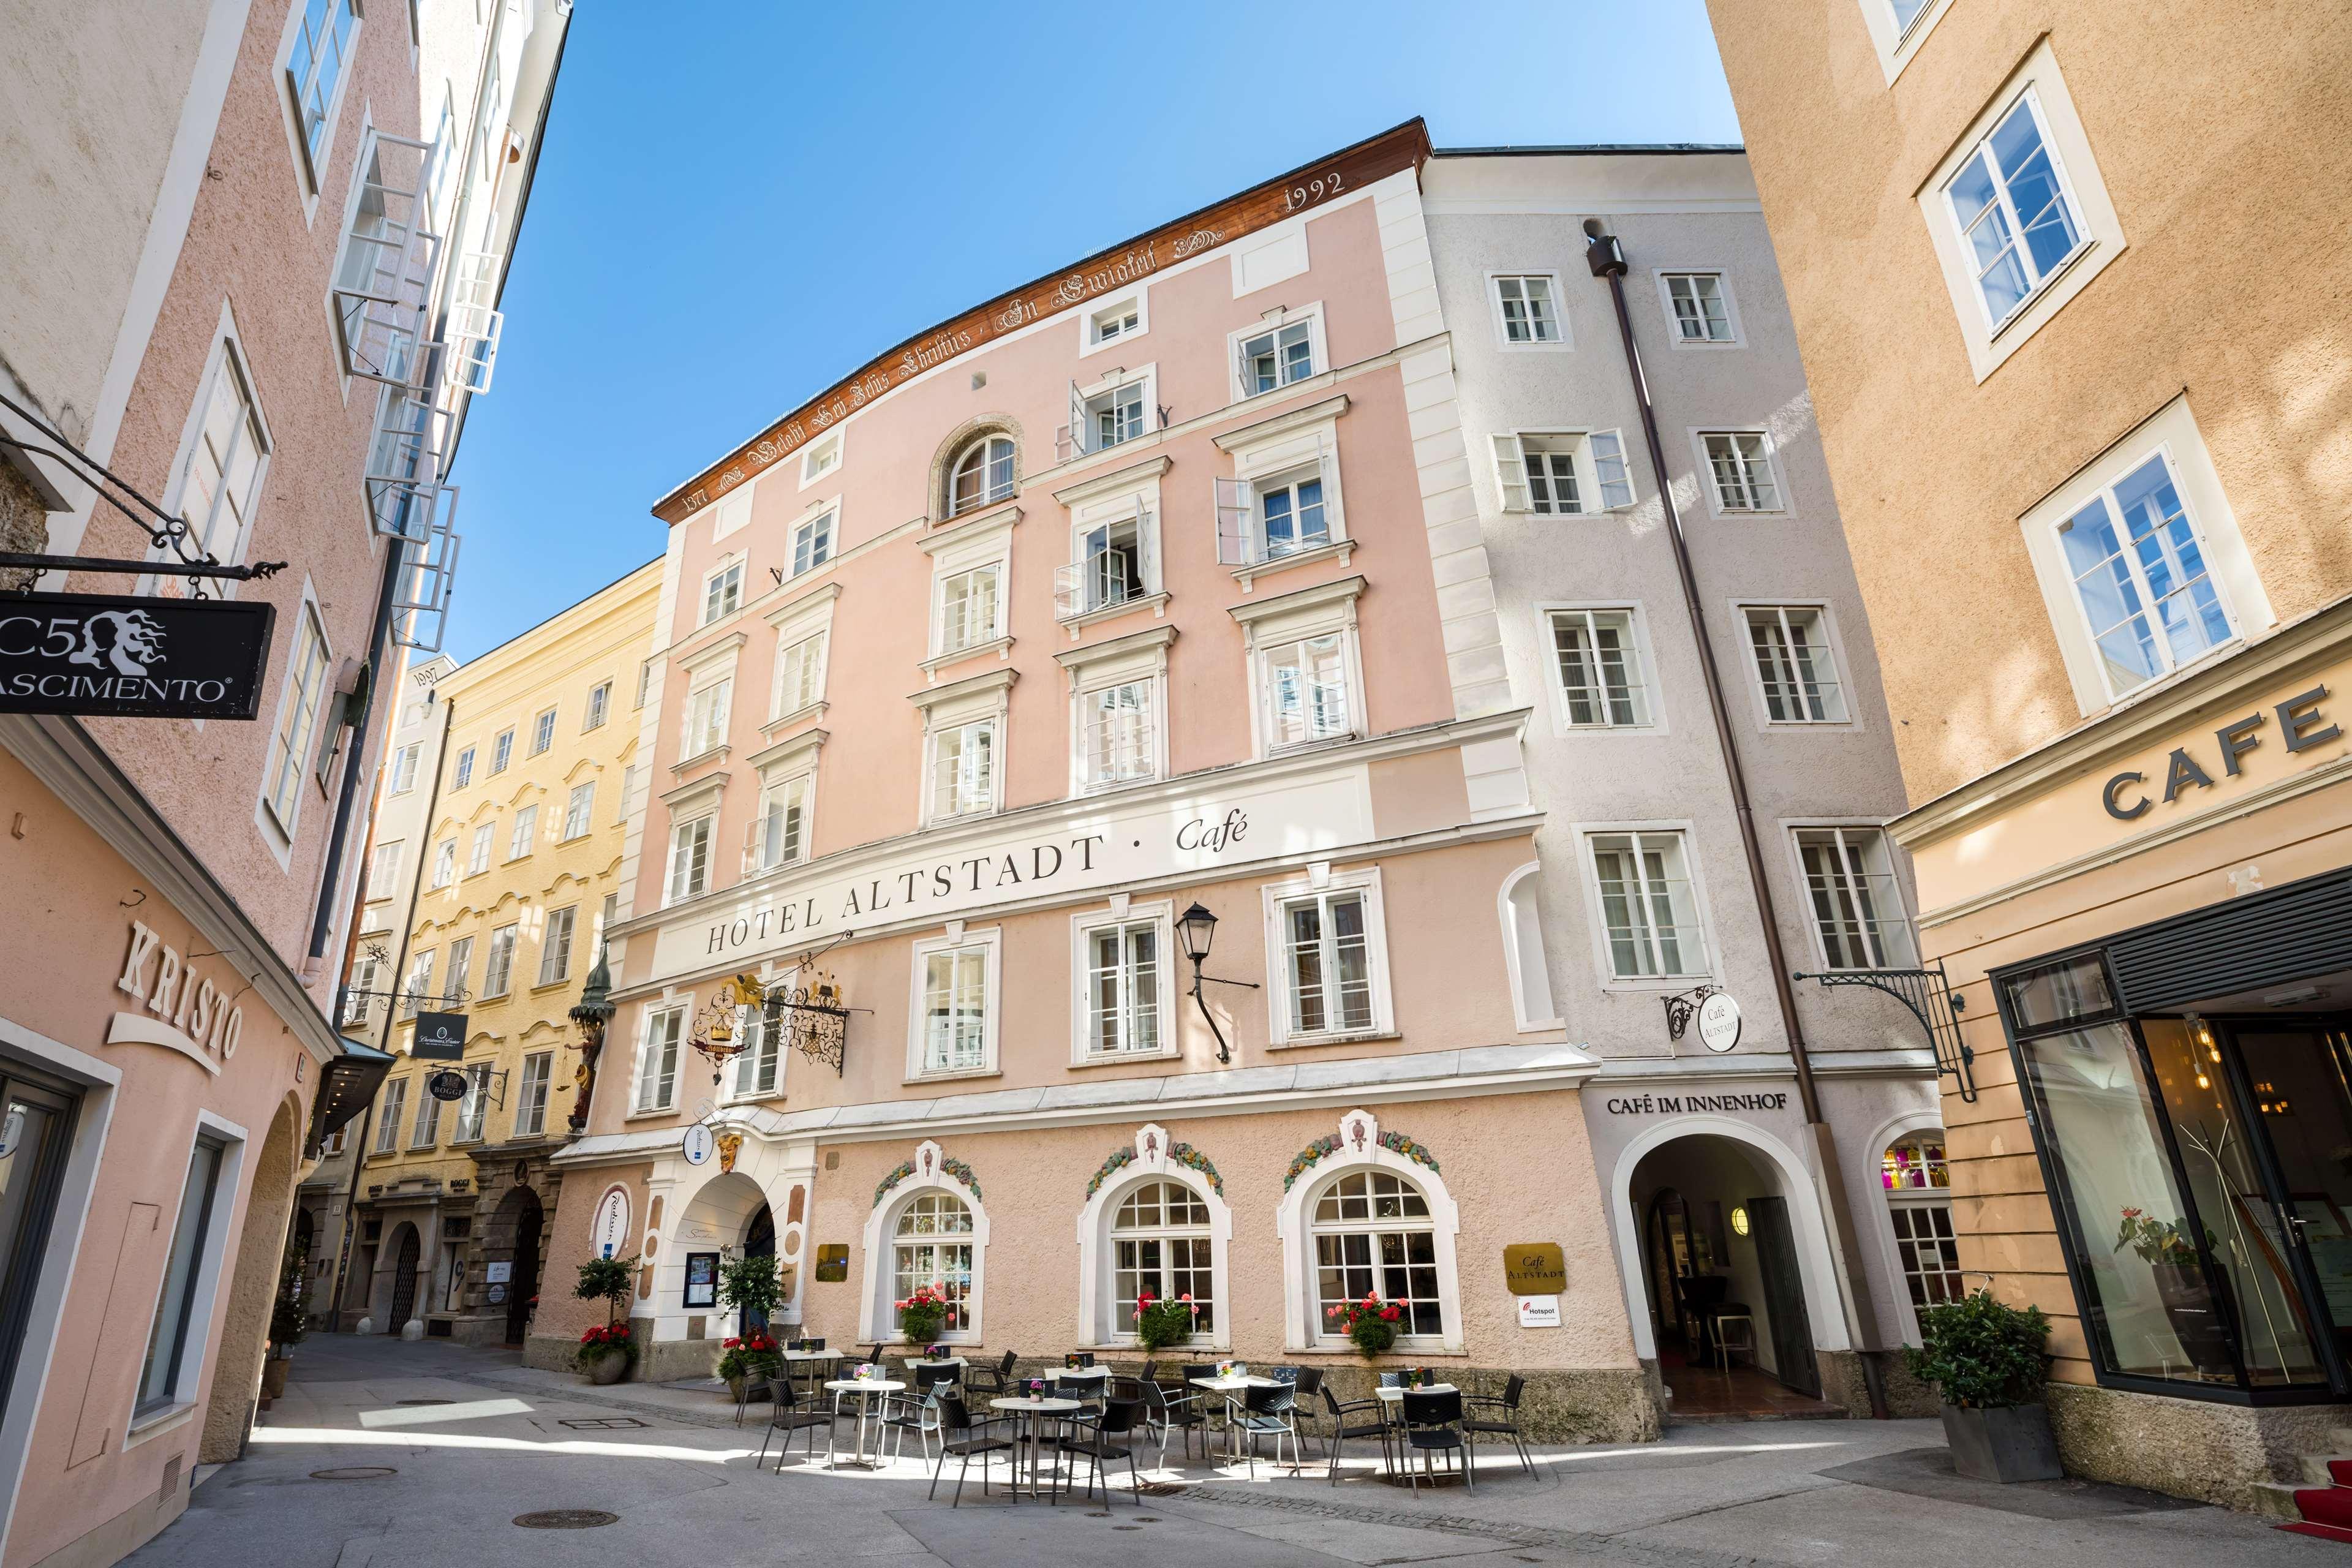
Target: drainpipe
(1606, 257)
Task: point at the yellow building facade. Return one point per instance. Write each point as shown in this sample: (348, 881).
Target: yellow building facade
(514, 880)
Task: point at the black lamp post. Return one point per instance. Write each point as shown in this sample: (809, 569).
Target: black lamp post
(1196, 928)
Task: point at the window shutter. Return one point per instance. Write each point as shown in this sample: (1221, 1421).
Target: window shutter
(1511, 473)
(752, 843)
(1146, 547)
(1608, 467)
(1235, 502)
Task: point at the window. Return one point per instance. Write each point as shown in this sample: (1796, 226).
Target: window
(1290, 515)
(980, 475)
(1562, 474)
(628, 784)
(419, 989)
(780, 835)
(314, 71)
(396, 1103)
(956, 1008)
(501, 751)
(1739, 465)
(1795, 668)
(722, 592)
(404, 770)
(174, 1332)
(1649, 914)
(1284, 505)
(600, 700)
(526, 827)
(1327, 963)
(645, 681)
(812, 542)
(658, 1063)
(530, 1100)
(963, 768)
(707, 712)
(689, 858)
(477, 860)
(1117, 563)
(1527, 311)
(800, 675)
(1161, 1242)
(221, 483)
(365, 972)
(1122, 987)
(306, 691)
(1917, 1180)
(605, 915)
(444, 863)
(2014, 214)
(474, 1109)
(1597, 657)
(542, 732)
(969, 606)
(498, 977)
(1858, 914)
(465, 769)
(461, 961)
(1123, 319)
(1307, 690)
(1116, 745)
(1109, 417)
(425, 1130)
(1699, 306)
(931, 1245)
(819, 458)
(578, 809)
(1905, 11)
(1276, 357)
(1551, 473)
(383, 870)
(1373, 1236)
(758, 1070)
(2140, 578)
(555, 948)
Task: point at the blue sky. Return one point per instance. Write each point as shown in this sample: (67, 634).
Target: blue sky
(738, 204)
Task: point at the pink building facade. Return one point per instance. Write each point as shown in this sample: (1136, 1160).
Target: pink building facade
(1154, 590)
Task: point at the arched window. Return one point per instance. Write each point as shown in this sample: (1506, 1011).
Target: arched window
(982, 473)
(931, 1245)
(1161, 1242)
(1374, 1235)
(1918, 1183)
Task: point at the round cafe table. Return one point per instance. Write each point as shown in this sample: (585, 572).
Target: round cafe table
(866, 1389)
(1037, 1410)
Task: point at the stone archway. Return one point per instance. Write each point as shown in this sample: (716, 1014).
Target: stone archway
(512, 1237)
(260, 1258)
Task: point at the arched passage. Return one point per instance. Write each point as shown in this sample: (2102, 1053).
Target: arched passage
(261, 1250)
(512, 1237)
(720, 1217)
(405, 1247)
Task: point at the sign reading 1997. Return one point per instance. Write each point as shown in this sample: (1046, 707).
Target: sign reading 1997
(123, 656)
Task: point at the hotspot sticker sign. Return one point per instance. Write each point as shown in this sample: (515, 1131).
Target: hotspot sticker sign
(1538, 1311)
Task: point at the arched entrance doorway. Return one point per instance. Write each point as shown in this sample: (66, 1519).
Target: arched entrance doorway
(404, 1249)
(1723, 1281)
(728, 1214)
(758, 1241)
(518, 1224)
(262, 1251)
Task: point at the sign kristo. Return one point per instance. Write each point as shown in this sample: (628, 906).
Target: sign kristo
(1071, 854)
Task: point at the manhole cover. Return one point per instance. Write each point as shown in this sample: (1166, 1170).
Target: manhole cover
(420, 1402)
(354, 1473)
(600, 1422)
(566, 1519)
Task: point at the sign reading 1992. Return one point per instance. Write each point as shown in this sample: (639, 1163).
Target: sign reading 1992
(1307, 192)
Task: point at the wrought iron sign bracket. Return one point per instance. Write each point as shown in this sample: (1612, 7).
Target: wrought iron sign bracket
(1927, 993)
(139, 568)
(1683, 1007)
(815, 1022)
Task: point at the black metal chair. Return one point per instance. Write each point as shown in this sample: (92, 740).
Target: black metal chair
(791, 1417)
(1309, 1382)
(965, 1438)
(1270, 1412)
(996, 1382)
(1503, 1425)
(1432, 1425)
(1346, 1423)
(1111, 1437)
(1165, 1413)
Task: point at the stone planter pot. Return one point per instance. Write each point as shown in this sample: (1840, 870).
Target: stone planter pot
(1373, 1338)
(608, 1368)
(2007, 1442)
(273, 1375)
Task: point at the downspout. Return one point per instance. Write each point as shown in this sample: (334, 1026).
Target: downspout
(1606, 258)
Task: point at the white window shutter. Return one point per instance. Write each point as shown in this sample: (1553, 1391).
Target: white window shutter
(1235, 500)
(1511, 473)
(1070, 590)
(1147, 546)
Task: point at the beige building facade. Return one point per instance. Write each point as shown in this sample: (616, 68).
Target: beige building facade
(2092, 467)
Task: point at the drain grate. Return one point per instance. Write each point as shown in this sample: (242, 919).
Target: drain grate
(566, 1519)
(354, 1473)
(600, 1422)
(1164, 1489)
(423, 1401)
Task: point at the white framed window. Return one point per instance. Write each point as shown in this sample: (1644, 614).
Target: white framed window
(298, 704)
(226, 454)
(820, 458)
(1373, 1234)
(1114, 558)
(606, 913)
(366, 970)
(1305, 667)
(555, 947)
(501, 751)
(689, 858)
(1561, 473)
(931, 1243)
(1859, 919)
(530, 1097)
(813, 542)
(1119, 742)
(404, 770)
(418, 992)
(1326, 942)
(1114, 321)
(955, 1005)
(474, 1110)
(1116, 410)
(1741, 476)
(800, 675)
(758, 1070)
(387, 1127)
(444, 863)
(1916, 1178)
(1284, 350)
(1125, 1005)
(1283, 506)
(383, 870)
(708, 708)
(317, 62)
(1600, 667)
(1162, 1241)
(425, 1128)
(779, 834)
(600, 703)
(722, 592)
(461, 964)
(980, 475)
(656, 1087)
(964, 768)
(542, 731)
(1649, 926)
(1897, 27)
(628, 788)
(526, 830)
(1526, 310)
(497, 972)
(1796, 664)
(1699, 309)
(463, 774)
(477, 858)
(177, 1336)
(967, 608)
(2015, 218)
(580, 810)
(645, 672)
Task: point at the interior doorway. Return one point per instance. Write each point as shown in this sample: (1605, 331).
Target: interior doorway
(406, 1250)
(758, 1241)
(522, 1286)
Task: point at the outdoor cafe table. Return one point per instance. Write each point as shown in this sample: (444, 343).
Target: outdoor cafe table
(1233, 1388)
(1394, 1398)
(865, 1388)
(1036, 1410)
(795, 1360)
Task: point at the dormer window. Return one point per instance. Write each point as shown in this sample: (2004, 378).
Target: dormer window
(981, 473)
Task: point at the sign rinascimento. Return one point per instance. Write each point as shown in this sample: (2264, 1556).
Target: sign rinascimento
(119, 656)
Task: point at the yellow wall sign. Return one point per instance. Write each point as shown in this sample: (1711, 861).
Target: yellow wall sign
(1535, 1269)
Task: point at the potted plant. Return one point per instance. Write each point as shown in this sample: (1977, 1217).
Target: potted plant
(923, 1314)
(605, 1352)
(1161, 1324)
(752, 1285)
(749, 1358)
(611, 1280)
(1988, 1363)
(2192, 1299)
(290, 1320)
(1371, 1324)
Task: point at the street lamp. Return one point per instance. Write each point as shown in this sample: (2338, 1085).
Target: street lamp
(1196, 928)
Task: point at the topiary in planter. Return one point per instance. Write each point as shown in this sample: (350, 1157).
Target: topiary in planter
(1990, 1363)
(611, 1280)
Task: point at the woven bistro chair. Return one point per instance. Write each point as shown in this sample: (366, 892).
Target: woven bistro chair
(789, 1417)
(1354, 1418)
(1270, 1412)
(1112, 1436)
(963, 1437)
(1432, 1425)
(1497, 1415)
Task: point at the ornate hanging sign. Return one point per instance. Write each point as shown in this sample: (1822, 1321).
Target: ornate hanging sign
(812, 1019)
(123, 656)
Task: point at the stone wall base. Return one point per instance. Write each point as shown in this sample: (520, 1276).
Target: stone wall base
(2187, 1447)
(1846, 1385)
